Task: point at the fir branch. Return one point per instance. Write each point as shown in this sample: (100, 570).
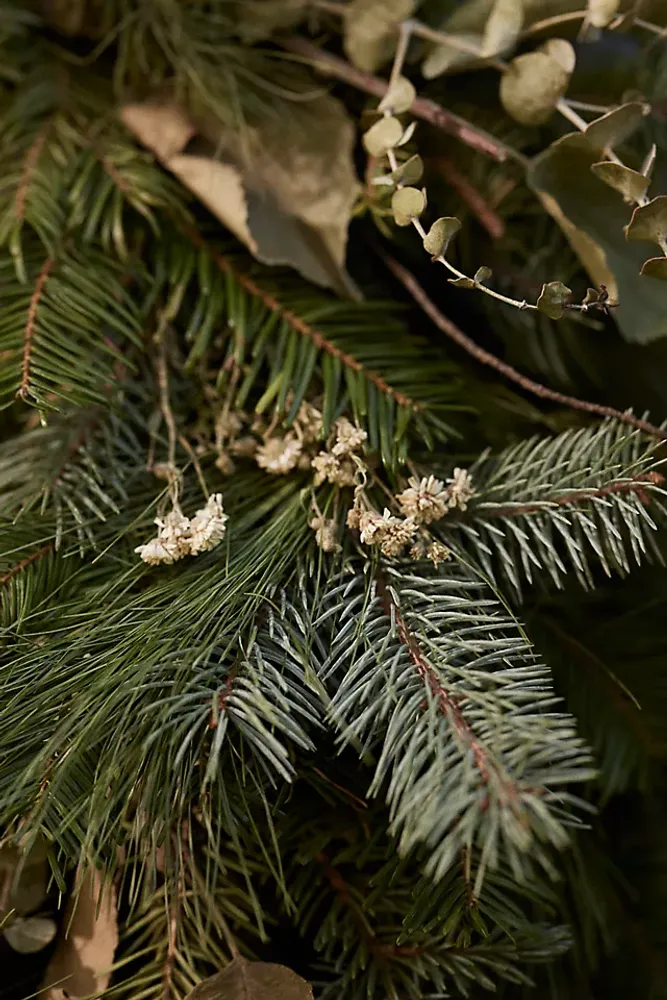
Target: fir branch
(422, 107)
(321, 342)
(29, 164)
(635, 486)
(411, 285)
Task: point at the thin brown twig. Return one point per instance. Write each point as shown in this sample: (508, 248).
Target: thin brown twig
(10, 573)
(300, 325)
(30, 324)
(473, 198)
(411, 284)
(333, 66)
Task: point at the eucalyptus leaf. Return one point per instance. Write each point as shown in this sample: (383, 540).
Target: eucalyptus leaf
(382, 136)
(655, 267)
(483, 274)
(649, 222)
(534, 82)
(593, 218)
(553, 298)
(503, 27)
(370, 28)
(600, 13)
(440, 235)
(407, 203)
(631, 184)
(616, 126)
(243, 980)
(410, 171)
(28, 935)
(463, 282)
(399, 96)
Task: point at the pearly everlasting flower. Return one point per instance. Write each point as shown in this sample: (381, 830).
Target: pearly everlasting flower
(208, 526)
(228, 425)
(224, 463)
(245, 447)
(425, 499)
(437, 553)
(460, 489)
(348, 437)
(330, 468)
(354, 517)
(397, 537)
(308, 423)
(391, 533)
(279, 455)
(325, 533)
(172, 541)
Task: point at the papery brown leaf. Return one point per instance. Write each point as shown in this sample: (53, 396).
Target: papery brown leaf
(553, 298)
(243, 980)
(289, 198)
(81, 964)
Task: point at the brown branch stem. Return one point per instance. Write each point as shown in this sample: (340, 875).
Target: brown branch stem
(473, 198)
(10, 573)
(29, 164)
(637, 485)
(30, 325)
(423, 108)
(301, 326)
(449, 328)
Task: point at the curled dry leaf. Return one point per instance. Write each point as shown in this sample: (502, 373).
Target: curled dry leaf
(81, 965)
(502, 28)
(655, 267)
(553, 299)
(533, 83)
(464, 282)
(649, 222)
(382, 136)
(440, 235)
(407, 203)
(399, 97)
(370, 30)
(631, 184)
(243, 980)
(289, 198)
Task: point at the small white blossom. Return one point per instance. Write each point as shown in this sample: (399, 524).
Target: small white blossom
(437, 553)
(208, 526)
(397, 537)
(172, 541)
(279, 455)
(325, 533)
(330, 468)
(425, 499)
(460, 489)
(157, 551)
(348, 437)
(391, 533)
(308, 423)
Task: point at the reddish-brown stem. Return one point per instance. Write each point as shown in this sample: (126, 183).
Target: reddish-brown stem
(31, 322)
(449, 328)
(223, 697)
(337, 68)
(10, 573)
(300, 325)
(473, 198)
(636, 485)
(29, 164)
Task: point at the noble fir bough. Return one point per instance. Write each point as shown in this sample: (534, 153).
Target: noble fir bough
(323, 673)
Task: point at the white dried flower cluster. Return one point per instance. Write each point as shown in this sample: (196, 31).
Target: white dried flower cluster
(339, 465)
(280, 454)
(425, 499)
(180, 536)
(460, 489)
(435, 551)
(325, 533)
(390, 533)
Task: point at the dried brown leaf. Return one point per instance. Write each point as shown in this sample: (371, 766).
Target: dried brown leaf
(82, 962)
(553, 298)
(243, 980)
(463, 282)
